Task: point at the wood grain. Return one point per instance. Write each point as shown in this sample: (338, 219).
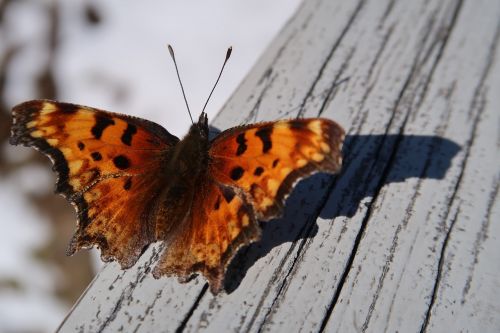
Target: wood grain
(406, 238)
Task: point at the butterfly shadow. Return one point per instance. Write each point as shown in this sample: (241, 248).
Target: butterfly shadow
(370, 162)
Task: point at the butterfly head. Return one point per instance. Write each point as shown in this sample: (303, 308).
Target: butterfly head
(201, 126)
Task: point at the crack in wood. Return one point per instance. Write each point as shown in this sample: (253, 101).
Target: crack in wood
(331, 92)
(189, 314)
(370, 86)
(254, 112)
(303, 234)
(387, 12)
(148, 310)
(336, 44)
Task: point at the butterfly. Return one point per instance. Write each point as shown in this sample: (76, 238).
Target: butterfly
(133, 183)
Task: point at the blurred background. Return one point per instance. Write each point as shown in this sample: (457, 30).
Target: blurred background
(110, 55)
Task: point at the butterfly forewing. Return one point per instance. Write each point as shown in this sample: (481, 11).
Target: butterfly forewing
(265, 160)
(108, 166)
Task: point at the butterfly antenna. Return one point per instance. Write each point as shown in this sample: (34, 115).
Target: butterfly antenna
(228, 54)
(171, 50)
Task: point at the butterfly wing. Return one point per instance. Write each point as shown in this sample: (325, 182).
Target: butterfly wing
(108, 168)
(265, 160)
(219, 223)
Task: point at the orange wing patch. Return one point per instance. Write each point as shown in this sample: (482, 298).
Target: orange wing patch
(107, 165)
(265, 160)
(220, 222)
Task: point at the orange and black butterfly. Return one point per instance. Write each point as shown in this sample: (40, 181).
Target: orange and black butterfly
(133, 183)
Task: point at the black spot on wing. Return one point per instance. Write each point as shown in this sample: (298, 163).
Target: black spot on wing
(264, 134)
(228, 194)
(101, 122)
(258, 171)
(121, 162)
(81, 145)
(217, 203)
(96, 156)
(128, 134)
(242, 144)
(275, 162)
(237, 173)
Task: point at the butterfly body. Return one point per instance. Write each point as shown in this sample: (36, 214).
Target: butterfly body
(133, 183)
(185, 167)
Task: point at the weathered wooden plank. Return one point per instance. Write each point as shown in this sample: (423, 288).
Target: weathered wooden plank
(119, 300)
(405, 238)
(398, 291)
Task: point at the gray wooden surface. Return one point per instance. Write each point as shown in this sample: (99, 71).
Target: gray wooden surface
(406, 238)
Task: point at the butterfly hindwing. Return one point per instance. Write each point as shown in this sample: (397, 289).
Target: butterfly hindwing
(220, 222)
(107, 166)
(119, 215)
(265, 160)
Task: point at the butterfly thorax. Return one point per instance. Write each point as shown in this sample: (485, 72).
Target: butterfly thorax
(190, 155)
(186, 167)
